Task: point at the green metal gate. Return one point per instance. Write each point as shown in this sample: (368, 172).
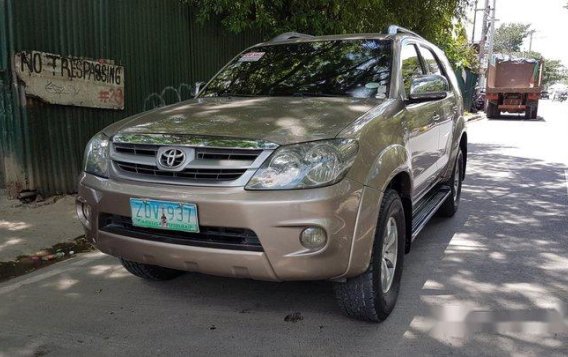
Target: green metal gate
(12, 127)
(161, 46)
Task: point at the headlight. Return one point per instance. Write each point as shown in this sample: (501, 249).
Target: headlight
(307, 165)
(96, 156)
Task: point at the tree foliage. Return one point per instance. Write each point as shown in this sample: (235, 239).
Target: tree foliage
(509, 37)
(553, 72)
(433, 19)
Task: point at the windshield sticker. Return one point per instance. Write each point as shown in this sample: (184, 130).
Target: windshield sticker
(251, 56)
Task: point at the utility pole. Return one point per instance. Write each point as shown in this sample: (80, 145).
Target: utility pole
(484, 29)
(482, 43)
(531, 33)
(492, 39)
(475, 10)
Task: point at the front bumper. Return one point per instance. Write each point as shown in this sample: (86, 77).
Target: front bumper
(277, 218)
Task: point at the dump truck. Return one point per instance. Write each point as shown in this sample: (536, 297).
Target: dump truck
(513, 86)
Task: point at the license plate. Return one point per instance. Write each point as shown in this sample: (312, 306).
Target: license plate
(174, 216)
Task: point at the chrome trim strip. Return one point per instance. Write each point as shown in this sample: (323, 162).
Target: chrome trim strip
(116, 173)
(212, 142)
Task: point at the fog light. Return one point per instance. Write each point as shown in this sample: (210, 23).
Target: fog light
(313, 237)
(87, 210)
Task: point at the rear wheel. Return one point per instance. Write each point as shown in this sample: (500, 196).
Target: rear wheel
(451, 205)
(492, 110)
(372, 295)
(534, 113)
(150, 272)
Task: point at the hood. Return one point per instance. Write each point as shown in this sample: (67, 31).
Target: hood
(282, 120)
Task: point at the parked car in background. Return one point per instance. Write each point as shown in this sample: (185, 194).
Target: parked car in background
(558, 92)
(479, 99)
(304, 158)
(544, 95)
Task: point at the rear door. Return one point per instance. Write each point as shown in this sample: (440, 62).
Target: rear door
(448, 108)
(420, 120)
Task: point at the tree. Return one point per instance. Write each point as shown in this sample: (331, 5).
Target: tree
(433, 19)
(553, 72)
(509, 37)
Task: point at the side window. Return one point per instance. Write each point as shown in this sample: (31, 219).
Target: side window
(430, 61)
(411, 65)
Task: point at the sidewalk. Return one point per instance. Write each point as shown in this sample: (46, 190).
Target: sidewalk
(35, 229)
(474, 116)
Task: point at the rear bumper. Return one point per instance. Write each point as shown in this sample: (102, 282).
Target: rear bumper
(512, 108)
(277, 218)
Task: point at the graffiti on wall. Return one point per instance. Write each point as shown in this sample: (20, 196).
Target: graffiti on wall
(168, 95)
(73, 81)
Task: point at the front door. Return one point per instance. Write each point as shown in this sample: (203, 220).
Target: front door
(421, 124)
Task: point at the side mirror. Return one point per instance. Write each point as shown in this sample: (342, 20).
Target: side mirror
(197, 88)
(428, 87)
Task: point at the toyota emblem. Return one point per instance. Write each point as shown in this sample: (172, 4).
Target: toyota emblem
(172, 158)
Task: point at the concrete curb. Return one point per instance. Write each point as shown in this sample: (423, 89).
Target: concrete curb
(476, 116)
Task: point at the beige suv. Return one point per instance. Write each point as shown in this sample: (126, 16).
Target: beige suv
(304, 158)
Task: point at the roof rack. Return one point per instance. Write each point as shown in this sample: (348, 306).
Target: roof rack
(289, 36)
(395, 29)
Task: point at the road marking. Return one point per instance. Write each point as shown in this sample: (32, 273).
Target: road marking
(56, 271)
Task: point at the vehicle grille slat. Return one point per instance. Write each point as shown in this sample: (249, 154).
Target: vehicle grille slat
(201, 174)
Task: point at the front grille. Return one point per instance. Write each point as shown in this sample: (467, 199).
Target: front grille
(226, 154)
(141, 150)
(210, 166)
(195, 174)
(209, 237)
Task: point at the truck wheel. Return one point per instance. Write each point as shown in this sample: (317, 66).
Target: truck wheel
(149, 272)
(372, 295)
(451, 205)
(534, 113)
(492, 110)
(528, 113)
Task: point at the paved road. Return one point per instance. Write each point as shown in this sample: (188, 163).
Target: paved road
(491, 281)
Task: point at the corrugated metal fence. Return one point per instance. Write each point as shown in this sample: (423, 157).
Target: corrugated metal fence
(160, 44)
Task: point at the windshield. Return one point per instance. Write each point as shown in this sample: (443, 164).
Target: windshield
(351, 68)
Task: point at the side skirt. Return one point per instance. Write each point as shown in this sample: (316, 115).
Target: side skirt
(427, 207)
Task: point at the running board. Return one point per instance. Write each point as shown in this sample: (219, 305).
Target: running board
(427, 207)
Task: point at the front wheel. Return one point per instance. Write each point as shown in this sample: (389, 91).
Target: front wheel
(372, 295)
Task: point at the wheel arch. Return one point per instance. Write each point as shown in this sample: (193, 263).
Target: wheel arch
(401, 183)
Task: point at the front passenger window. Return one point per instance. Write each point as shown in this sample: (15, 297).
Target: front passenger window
(411, 66)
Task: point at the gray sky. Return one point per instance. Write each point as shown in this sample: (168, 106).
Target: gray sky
(548, 17)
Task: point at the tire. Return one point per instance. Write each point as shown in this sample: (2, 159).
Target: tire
(528, 113)
(492, 111)
(451, 205)
(372, 296)
(150, 272)
(534, 113)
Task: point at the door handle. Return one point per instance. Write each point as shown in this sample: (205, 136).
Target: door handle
(436, 117)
